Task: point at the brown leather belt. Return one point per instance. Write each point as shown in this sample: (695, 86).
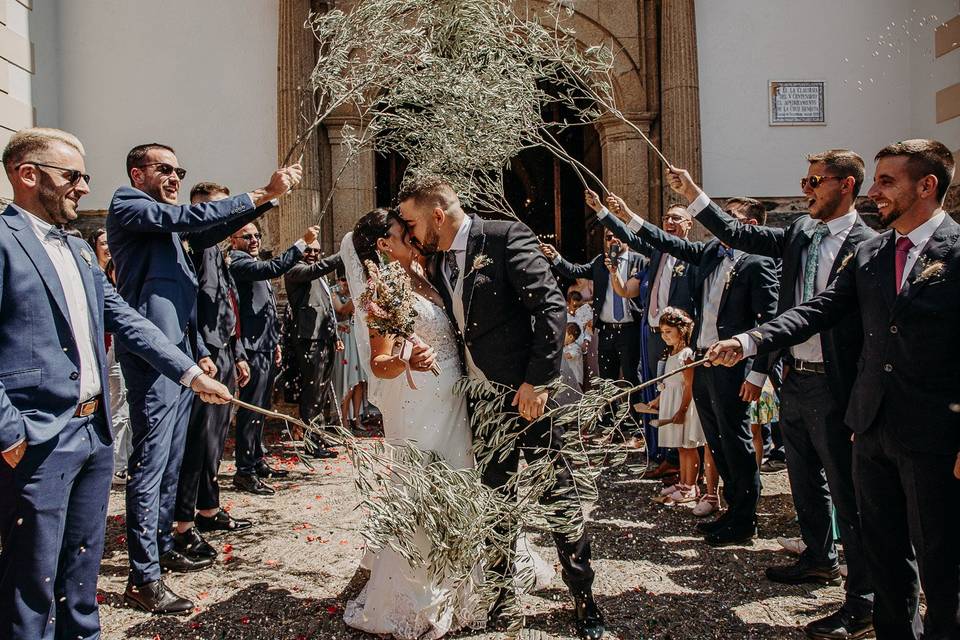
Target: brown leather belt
(88, 408)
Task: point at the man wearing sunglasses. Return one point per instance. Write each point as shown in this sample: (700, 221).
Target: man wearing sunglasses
(55, 306)
(314, 329)
(260, 333)
(818, 376)
(156, 277)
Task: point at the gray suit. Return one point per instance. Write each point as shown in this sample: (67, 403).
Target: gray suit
(314, 332)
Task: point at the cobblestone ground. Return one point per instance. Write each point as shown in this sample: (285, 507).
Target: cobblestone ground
(289, 576)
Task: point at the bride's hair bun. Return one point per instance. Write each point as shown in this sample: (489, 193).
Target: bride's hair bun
(370, 228)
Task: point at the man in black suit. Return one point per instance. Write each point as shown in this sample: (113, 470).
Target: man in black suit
(902, 286)
(616, 318)
(510, 319)
(198, 492)
(260, 335)
(314, 331)
(732, 290)
(819, 375)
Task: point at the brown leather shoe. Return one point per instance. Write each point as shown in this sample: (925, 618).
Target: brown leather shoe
(663, 469)
(156, 598)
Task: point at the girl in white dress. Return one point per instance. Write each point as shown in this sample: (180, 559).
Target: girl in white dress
(678, 420)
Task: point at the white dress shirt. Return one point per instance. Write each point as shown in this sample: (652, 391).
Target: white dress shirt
(77, 307)
(837, 231)
(713, 290)
(919, 237)
(459, 249)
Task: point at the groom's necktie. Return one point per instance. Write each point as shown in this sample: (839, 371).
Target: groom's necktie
(618, 313)
(453, 271)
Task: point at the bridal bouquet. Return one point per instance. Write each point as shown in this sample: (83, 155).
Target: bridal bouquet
(389, 304)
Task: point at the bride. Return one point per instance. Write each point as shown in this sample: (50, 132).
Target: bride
(399, 599)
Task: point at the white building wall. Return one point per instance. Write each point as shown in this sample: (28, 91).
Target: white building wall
(197, 75)
(871, 100)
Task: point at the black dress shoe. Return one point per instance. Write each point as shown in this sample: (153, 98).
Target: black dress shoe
(266, 471)
(156, 597)
(177, 562)
(587, 617)
(321, 453)
(252, 484)
(730, 535)
(191, 544)
(841, 625)
(223, 521)
(801, 572)
(713, 525)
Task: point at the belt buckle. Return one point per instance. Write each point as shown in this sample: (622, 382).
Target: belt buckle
(87, 408)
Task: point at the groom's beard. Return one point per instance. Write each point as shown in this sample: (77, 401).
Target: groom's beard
(430, 246)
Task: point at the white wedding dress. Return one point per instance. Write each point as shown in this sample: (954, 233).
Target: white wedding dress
(401, 600)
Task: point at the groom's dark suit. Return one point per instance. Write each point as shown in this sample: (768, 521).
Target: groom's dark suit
(514, 319)
(907, 437)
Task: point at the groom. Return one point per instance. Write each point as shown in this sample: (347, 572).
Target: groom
(510, 319)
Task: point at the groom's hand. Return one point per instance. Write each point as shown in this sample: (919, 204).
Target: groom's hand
(530, 402)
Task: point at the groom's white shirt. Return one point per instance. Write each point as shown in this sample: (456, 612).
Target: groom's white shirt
(459, 249)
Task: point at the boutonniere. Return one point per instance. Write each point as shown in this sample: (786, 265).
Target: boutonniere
(86, 257)
(729, 278)
(930, 269)
(480, 261)
(679, 269)
(846, 260)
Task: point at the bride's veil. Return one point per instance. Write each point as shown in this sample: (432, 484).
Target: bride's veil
(380, 391)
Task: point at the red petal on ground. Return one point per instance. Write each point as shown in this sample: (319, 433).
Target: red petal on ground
(101, 598)
(227, 548)
(245, 620)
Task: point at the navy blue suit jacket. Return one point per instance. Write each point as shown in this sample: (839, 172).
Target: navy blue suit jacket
(683, 282)
(259, 327)
(39, 358)
(154, 274)
(597, 271)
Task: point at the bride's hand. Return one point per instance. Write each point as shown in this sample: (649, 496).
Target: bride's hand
(423, 357)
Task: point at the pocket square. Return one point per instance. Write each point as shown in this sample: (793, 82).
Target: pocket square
(481, 279)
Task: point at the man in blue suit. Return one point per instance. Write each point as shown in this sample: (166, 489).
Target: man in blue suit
(155, 276)
(55, 305)
(260, 333)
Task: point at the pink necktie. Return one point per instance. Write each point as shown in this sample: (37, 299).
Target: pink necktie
(903, 248)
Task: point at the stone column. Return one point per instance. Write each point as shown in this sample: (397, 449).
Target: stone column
(625, 160)
(679, 90)
(296, 58)
(352, 181)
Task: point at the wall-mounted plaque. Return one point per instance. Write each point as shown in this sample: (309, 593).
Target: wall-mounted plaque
(796, 103)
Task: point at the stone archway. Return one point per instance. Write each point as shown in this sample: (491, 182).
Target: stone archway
(655, 72)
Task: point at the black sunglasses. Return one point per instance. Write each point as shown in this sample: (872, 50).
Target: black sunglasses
(166, 169)
(250, 236)
(816, 181)
(72, 175)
